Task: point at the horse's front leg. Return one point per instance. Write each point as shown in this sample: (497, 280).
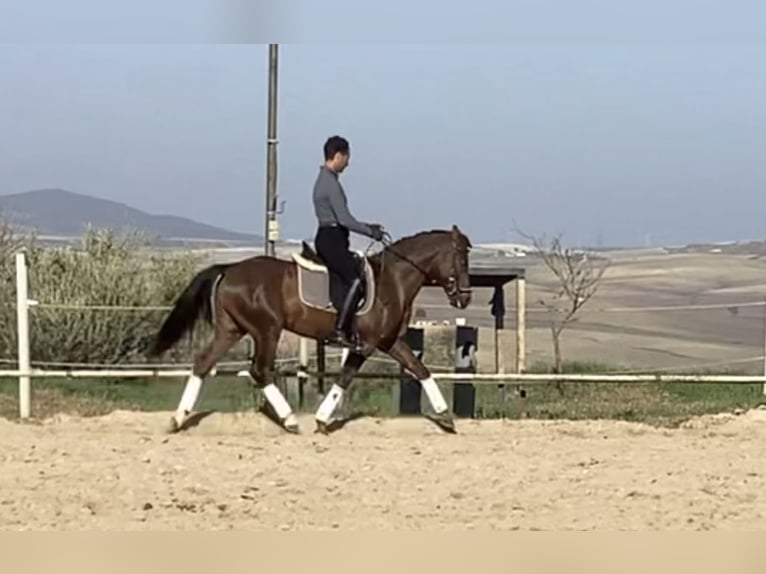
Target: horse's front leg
(326, 410)
(401, 352)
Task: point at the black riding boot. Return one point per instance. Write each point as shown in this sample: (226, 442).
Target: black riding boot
(345, 335)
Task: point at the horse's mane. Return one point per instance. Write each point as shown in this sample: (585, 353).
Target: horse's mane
(403, 242)
(419, 234)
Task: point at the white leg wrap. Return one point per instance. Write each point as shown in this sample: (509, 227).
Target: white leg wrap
(434, 395)
(329, 404)
(189, 397)
(277, 400)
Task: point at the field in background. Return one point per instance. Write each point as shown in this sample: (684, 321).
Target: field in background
(729, 339)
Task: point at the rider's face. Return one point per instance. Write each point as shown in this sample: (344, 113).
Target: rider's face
(341, 161)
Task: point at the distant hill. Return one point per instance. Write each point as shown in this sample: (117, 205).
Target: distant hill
(64, 214)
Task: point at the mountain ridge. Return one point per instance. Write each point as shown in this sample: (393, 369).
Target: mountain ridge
(63, 213)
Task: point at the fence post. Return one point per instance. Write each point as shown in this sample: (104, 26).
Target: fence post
(763, 389)
(521, 326)
(321, 366)
(498, 312)
(22, 330)
(303, 365)
(464, 393)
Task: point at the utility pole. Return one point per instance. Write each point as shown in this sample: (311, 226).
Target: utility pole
(272, 226)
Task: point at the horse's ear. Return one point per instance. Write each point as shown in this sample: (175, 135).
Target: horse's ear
(457, 235)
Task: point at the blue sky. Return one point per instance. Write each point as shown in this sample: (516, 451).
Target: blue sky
(606, 142)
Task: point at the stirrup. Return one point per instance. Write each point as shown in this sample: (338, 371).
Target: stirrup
(340, 338)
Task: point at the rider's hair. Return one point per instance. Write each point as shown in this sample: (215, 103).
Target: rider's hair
(333, 145)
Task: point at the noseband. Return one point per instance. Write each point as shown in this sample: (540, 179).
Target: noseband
(454, 290)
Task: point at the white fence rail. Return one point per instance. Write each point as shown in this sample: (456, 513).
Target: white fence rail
(25, 372)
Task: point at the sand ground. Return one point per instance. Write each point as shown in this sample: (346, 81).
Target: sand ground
(122, 472)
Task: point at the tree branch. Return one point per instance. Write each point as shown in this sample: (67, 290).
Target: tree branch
(577, 273)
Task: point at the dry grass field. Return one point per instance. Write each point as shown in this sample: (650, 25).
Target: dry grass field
(644, 339)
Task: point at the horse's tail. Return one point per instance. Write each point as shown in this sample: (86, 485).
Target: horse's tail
(195, 300)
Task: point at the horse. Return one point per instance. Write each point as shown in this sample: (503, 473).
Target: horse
(263, 295)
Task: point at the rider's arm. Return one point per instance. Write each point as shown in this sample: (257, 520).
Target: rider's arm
(340, 207)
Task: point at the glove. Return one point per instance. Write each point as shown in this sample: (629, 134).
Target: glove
(377, 231)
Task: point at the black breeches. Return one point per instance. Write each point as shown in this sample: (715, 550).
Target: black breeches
(332, 246)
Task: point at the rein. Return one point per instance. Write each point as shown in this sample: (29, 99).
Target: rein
(387, 242)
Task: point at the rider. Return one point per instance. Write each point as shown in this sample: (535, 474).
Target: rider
(332, 237)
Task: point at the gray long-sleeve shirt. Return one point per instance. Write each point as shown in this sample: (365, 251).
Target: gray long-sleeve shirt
(331, 205)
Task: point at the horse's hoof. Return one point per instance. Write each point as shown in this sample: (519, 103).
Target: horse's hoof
(173, 426)
(445, 422)
(290, 424)
(322, 428)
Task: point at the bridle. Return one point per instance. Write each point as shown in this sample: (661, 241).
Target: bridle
(450, 286)
(455, 290)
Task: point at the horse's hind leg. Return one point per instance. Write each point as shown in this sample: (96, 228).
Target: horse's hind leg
(227, 333)
(266, 339)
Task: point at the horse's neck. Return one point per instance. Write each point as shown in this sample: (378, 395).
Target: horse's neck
(407, 267)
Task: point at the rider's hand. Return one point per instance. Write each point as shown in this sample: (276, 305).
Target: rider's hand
(377, 231)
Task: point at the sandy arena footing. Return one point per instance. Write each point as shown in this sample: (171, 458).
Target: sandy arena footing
(123, 472)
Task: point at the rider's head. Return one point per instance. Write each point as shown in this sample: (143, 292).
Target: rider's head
(336, 153)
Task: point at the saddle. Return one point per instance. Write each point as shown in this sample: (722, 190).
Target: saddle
(308, 253)
(314, 280)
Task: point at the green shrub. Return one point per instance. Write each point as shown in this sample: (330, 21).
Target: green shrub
(107, 270)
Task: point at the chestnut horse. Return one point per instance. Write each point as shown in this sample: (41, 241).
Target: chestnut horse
(261, 296)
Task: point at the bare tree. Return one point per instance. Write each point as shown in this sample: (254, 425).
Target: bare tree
(578, 275)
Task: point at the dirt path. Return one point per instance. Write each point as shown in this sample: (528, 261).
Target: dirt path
(239, 471)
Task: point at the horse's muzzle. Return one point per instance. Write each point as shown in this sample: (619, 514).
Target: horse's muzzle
(460, 298)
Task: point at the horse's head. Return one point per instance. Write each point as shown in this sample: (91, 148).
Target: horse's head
(452, 271)
(442, 258)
